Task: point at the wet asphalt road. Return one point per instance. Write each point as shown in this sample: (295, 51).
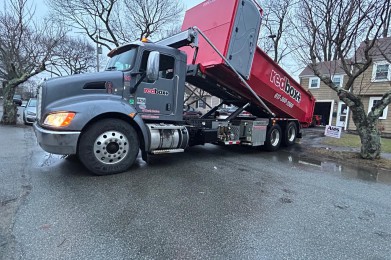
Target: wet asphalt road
(209, 203)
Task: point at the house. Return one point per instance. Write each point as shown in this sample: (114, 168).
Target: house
(199, 99)
(328, 105)
(371, 85)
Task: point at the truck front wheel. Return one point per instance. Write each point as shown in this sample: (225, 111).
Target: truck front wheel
(108, 146)
(273, 138)
(290, 134)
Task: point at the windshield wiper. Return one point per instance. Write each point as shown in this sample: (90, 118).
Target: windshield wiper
(111, 68)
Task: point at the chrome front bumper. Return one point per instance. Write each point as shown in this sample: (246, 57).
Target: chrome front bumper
(57, 142)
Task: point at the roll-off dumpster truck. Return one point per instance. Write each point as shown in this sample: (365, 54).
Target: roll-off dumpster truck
(136, 104)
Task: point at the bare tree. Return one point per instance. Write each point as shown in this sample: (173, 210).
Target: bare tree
(319, 27)
(98, 19)
(30, 88)
(72, 56)
(170, 30)
(25, 49)
(275, 34)
(387, 20)
(113, 22)
(332, 30)
(149, 16)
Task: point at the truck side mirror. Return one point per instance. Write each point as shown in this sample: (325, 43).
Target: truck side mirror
(153, 66)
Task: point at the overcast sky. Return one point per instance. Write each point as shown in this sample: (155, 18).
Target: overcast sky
(42, 9)
(191, 3)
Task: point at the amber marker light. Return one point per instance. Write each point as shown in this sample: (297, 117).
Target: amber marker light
(144, 39)
(59, 119)
(132, 115)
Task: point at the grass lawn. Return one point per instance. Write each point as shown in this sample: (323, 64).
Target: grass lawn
(351, 140)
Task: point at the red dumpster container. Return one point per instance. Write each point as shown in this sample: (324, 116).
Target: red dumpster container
(233, 27)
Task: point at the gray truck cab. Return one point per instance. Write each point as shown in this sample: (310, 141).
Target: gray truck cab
(106, 117)
(156, 98)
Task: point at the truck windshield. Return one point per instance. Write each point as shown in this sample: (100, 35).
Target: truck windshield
(123, 60)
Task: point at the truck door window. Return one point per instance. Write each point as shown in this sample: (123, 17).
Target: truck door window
(166, 66)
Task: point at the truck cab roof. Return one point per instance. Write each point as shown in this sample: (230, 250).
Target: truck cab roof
(128, 46)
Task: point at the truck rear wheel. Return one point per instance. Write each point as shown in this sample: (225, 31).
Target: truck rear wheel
(108, 146)
(290, 134)
(273, 138)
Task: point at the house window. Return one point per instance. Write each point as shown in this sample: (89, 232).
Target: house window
(314, 82)
(201, 103)
(381, 71)
(373, 101)
(337, 80)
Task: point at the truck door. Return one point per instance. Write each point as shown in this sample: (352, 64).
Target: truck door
(156, 99)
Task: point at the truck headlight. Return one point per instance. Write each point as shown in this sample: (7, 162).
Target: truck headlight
(59, 119)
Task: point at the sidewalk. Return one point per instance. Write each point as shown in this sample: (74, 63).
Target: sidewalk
(15, 160)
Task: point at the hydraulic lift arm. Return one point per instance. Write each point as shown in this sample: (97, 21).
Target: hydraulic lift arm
(185, 38)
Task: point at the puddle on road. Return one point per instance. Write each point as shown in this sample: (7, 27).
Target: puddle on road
(351, 172)
(44, 159)
(345, 171)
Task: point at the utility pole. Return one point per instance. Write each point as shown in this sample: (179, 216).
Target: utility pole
(98, 50)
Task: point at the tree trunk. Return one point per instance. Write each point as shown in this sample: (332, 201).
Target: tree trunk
(369, 133)
(10, 110)
(370, 141)
(366, 126)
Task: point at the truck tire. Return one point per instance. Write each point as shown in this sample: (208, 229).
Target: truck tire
(108, 146)
(290, 134)
(273, 138)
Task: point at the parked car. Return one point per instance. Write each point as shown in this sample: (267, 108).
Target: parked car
(17, 100)
(189, 111)
(30, 112)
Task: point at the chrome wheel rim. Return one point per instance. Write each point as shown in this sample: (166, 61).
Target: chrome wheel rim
(291, 134)
(111, 147)
(275, 137)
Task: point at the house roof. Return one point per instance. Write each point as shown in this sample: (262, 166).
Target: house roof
(326, 67)
(381, 48)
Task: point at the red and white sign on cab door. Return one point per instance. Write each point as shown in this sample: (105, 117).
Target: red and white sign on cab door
(333, 131)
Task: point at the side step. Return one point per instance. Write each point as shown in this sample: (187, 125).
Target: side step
(168, 151)
(231, 142)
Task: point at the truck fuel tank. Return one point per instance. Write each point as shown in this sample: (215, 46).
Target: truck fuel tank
(167, 138)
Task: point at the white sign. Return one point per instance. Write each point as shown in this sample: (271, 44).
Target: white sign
(333, 131)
